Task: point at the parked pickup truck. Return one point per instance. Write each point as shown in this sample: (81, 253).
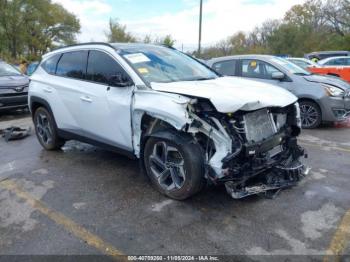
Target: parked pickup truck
(339, 71)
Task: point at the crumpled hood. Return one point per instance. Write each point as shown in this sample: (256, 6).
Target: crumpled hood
(13, 81)
(334, 81)
(230, 94)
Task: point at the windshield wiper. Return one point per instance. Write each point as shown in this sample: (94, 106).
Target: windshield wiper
(301, 74)
(202, 79)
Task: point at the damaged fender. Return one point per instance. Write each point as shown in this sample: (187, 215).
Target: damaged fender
(170, 108)
(175, 110)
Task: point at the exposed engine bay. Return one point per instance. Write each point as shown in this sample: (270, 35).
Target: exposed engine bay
(251, 152)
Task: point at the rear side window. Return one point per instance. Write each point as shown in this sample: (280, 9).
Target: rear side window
(73, 64)
(101, 67)
(226, 68)
(50, 64)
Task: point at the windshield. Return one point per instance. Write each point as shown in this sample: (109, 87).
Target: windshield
(290, 67)
(164, 65)
(8, 70)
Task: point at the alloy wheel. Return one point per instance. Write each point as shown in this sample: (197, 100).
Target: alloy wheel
(43, 128)
(167, 166)
(309, 115)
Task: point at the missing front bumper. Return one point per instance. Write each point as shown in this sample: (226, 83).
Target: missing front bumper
(276, 179)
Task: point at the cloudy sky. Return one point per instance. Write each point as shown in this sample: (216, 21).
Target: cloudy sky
(176, 17)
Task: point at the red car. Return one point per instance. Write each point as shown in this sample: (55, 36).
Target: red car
(339, 71)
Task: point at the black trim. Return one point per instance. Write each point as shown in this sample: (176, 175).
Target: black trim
(72, 136)
(35, 99)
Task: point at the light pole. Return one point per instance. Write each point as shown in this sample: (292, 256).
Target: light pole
(200, 27)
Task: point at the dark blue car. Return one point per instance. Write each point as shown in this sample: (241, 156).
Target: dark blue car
(13, 88)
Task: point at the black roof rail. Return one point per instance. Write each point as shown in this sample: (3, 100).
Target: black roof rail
(83, 44)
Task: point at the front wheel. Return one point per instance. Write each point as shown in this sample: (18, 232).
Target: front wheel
(175, 166)
(311, 116)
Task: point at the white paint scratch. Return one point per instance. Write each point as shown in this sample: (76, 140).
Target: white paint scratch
(159, 206)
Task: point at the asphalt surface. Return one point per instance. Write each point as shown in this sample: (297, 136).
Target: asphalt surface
(84, 200)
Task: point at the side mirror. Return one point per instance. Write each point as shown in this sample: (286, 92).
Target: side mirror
(278, 76)
(120, 80)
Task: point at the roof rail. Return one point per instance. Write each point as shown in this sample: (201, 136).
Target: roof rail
(87, 43)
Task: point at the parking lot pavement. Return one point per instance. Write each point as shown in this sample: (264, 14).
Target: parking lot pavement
(84, 200)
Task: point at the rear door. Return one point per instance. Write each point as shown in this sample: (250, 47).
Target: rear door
(69, 87)
(226, 68)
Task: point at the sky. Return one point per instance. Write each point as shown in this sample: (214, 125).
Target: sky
(179, 18)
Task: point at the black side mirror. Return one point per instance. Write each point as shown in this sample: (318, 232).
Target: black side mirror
(120, 80)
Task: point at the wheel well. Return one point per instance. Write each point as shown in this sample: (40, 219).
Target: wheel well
(151, 124)
(310, 100)
(35, 105)
(36, 102)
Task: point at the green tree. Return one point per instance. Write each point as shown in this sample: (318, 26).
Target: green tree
(168, 41)
(117, 33)
(32, 27)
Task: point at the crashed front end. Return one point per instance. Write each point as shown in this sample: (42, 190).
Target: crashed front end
(250, 152)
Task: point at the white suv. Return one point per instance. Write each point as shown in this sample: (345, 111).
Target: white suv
(188, 125)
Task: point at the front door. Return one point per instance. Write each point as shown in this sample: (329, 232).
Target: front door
(105, 113)
(262, 71)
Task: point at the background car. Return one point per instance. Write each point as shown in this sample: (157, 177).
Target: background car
(32, 67)
(13, 88)
(321, 98)
(335, 61)
(325, 54)
(303, 62)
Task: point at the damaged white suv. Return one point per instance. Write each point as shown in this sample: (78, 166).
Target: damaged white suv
(187, 125)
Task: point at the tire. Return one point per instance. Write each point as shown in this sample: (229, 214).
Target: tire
(311, 115)
(179, 173)
(46, 130)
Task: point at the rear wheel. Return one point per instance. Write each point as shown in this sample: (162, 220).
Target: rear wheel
(311, 116)
(175, 167)
(45, 129)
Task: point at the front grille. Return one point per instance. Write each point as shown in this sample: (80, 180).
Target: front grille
(259, 126)
(14, 89)
(14, 94)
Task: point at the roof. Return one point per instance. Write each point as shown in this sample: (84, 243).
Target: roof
(116, 46)
(328, 52)
(252, 56)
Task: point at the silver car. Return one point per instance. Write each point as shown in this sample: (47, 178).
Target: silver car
(303, 62)
(321, 98)
(335, 61)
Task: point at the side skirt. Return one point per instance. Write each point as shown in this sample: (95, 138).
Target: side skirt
(71, 136)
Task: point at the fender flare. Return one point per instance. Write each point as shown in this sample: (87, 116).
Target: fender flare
(39, 100)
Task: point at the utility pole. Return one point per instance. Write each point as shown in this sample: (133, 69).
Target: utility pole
(200, 28)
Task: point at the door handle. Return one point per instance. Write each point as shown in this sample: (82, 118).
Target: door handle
(47, 90)
(86, 99)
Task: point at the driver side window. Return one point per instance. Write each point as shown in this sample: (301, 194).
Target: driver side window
(257, 69)
(102, 67)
